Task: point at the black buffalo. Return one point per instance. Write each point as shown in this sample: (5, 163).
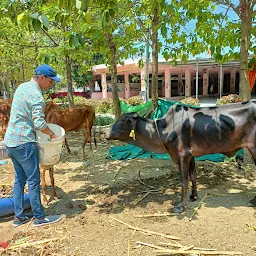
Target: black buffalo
(185, 133)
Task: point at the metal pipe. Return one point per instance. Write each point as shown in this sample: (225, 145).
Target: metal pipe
(196, 78)
(221, 80)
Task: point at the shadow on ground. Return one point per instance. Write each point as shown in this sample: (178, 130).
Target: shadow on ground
(113, 186)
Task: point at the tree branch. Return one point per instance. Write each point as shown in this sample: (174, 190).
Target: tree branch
(50, 37)
(24, 45)
(130, 7)
(229, 3)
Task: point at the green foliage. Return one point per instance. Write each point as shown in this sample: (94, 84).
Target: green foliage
(103, 120)
(47, 96)
(58, 100)
(141, 63)
(81, 78)
(79, 100)
(101, 106)
(104, 106)
(135, 78)
(190, 101)
(63, 100)
(231, 98)
(17, 55)
(134, 101)
(78, 29)
(252, 63)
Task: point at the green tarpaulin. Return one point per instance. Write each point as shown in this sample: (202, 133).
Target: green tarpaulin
(130, 152)
(141, 109)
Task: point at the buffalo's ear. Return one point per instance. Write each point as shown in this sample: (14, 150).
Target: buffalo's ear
(135, 115)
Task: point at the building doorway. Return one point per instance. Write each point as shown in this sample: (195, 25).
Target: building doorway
(200, 85)
(213, 81)
(177, 85)
(226, 83)
(237, 82)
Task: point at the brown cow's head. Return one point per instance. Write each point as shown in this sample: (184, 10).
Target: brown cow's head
(4, 123)
(124, 129)
(5, 109)
(50, 106)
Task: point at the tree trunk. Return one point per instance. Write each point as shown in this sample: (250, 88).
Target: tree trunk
(69, 81)
(112, 48)
(14, 84)
(245, 93)
(2, 84)
(36, 50)
(7, 86)
(91, 85)
(23, 66)
(155, 56)
(246, 19)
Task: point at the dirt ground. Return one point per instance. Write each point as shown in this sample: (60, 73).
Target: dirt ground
(107, 208)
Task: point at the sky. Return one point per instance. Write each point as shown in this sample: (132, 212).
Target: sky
(232, 16)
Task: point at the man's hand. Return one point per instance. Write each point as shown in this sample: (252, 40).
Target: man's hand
(53, 136)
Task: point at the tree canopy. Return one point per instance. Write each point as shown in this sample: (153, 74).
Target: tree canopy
(69, 34)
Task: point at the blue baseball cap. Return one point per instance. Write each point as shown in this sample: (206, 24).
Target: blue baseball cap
(47, 71)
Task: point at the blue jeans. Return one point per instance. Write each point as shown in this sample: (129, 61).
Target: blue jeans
(25, 160)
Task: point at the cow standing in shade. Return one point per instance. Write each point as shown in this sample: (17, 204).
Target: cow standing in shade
(72, 119)
(185, 133)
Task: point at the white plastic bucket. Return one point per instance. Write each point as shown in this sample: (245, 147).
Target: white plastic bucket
(50, 149)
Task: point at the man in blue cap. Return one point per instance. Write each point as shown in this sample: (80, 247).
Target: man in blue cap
(27, 115)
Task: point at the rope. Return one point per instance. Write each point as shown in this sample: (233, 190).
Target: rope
(159, 134)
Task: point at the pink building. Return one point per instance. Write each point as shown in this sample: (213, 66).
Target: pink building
(180, 80)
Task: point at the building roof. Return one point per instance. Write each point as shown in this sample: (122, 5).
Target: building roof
(132, 64)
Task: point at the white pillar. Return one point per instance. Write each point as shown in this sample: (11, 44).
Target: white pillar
(143, 83)
(104, 85)
(167, 78)
(196, 78)
(187, 83)
(220, 81)
(233, 81)
(143, 80)
(127, 85)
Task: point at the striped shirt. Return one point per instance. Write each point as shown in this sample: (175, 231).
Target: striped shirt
(27, 115)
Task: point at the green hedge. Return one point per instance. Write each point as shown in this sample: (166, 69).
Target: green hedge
(100, 106)
(103, 120)
(190, 101)
(231, 98)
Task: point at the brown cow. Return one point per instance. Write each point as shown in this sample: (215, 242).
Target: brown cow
(89, 120)
(5, 110)
(82, 118)
(4, 120)
(73, 119)
(50, 106)
(90, 117)
(185, 133)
